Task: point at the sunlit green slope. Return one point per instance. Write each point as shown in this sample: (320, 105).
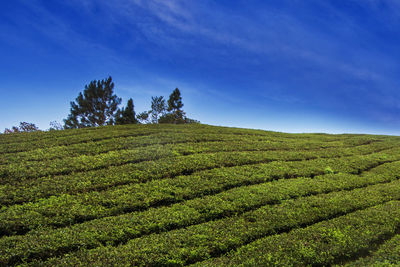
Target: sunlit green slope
(197, 194)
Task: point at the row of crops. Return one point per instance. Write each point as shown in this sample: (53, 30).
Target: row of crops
(197, 194)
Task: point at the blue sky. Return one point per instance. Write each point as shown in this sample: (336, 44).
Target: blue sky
(283, 65)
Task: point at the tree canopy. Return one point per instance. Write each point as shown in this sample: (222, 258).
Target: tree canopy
(126, 115)
(95, 107)
(23, 127)
(143, 117)
(176, 114)
(158, 108)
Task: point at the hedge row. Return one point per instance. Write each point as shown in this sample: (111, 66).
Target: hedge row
(16, 173)
(34, 169)
(126, 143)
(117, 229)
(323, 244)
(11, 173)
(202, 241)
(66, 209)
(120, 143)
(132, 142)
(74, 139)
(54, 138)
(39, 135)
(104, 179)
(25, 142)
(388, 254)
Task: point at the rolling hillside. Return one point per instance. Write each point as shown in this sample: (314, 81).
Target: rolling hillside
(198, 194)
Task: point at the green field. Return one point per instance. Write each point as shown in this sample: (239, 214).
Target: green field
(200, 195)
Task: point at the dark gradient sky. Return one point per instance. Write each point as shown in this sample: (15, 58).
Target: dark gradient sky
(284, 65)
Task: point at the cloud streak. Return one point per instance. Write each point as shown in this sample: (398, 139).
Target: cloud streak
(275, 34)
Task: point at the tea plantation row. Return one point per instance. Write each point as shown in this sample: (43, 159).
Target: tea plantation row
(155, 195)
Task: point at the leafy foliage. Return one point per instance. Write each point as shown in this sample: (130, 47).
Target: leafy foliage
(158, 108)
(55, 126)
(176, 115)
(24, 127)
(27, 127)
(144, 117)
(14, 129)
(95, 107)
(126, 115)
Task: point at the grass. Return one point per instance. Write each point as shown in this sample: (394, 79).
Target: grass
(159, 195)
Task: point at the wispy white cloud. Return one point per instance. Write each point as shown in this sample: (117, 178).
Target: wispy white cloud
(164, 21)
(47, 25)
(273, 35)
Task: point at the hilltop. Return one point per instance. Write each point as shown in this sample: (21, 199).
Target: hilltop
(198, 194)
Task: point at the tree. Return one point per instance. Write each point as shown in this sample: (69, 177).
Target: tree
(95, 107)
(143, 117)
(188, 120)
(25, 127)
(126, 115)
(14, 129)
(158, 108)
(55, 126)
(176, 114)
